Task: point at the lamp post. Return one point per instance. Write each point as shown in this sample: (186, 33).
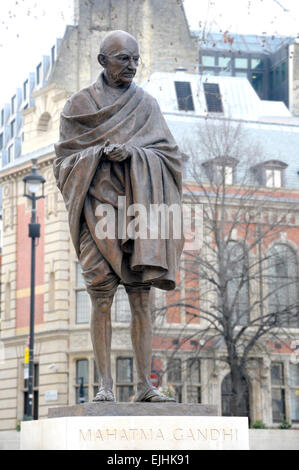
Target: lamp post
(33, 185)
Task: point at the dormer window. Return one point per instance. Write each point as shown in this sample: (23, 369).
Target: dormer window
(221, 171)
(25, 90)
(12, 128)
(270, 173)
(184, 96)
(273, 178)
(38, 73)
(224, 173)
(13, 104)
(213, 97)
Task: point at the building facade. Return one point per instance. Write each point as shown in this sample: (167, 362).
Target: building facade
(270, 63)
(64, 363)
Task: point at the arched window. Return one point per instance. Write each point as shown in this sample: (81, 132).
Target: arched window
(44, 122)
(283, 285)
(237, 290)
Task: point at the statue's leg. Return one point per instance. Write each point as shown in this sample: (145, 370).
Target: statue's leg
(101, 283)
(141, 333)
(101, 333)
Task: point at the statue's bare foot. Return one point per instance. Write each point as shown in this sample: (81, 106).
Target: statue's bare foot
(104, 395)
(151, 394)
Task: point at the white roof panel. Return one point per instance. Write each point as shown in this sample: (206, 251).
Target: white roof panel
(239, 99)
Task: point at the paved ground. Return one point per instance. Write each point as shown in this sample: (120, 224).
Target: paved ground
(9, 440)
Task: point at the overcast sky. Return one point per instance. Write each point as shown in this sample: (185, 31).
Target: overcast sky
(28, 28)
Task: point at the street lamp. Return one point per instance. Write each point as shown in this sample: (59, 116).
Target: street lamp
(34, 190)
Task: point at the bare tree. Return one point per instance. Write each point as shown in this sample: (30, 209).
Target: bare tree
(247, 276)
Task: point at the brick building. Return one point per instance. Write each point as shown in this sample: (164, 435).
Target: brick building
(63, 351)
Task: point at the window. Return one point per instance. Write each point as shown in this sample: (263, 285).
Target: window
(25, 90)
(193, 381)
(224, 62)
(273, 178)
(241, 63)
(227, 396)
(221, 170)
(224, 174)
(257, 64)
(38, 73)
(278, 392)
(283, 389)
(122, 306)
(270, 173)
(184, 96)
(236, 268)
(213, 97)
(1, 141)
(35, 392)
(124, 379)
(174, 376)
(294, 391)
(283, 285)
(238, 73)
(13, 104)
(44, 122)
(208, 60)
(82, 378)
(12, 128)
(210, 72)
(82, 298)
(257, 81)
(10, 154)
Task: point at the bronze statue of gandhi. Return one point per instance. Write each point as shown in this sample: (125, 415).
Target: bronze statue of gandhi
(114, 142)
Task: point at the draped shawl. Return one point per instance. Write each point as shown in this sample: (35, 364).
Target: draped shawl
(152, 175)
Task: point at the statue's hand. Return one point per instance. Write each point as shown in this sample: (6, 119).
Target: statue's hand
(117, 152)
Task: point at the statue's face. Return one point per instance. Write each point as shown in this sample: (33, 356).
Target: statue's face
(120, 60)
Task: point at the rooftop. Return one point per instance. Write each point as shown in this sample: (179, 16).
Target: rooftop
(238, 98)
(243, 43)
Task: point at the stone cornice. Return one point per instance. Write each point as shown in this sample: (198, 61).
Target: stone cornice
(46, 89)
(45, 156)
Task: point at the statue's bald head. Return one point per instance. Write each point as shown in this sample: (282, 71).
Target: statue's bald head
(119, 55)
(114, 41)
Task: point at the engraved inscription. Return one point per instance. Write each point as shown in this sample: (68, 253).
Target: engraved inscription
(139, 434)
(135, 434)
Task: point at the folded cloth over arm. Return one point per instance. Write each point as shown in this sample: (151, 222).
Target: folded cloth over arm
(151, 176)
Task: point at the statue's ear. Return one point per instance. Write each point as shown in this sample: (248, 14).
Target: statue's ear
(102, 60)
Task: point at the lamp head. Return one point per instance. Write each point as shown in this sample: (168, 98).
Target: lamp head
(33, 183)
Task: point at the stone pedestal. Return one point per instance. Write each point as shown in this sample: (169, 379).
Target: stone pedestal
(133, 409)
(138, 426)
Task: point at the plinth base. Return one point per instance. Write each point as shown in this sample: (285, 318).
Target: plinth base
(149, 428)
(133, 409)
